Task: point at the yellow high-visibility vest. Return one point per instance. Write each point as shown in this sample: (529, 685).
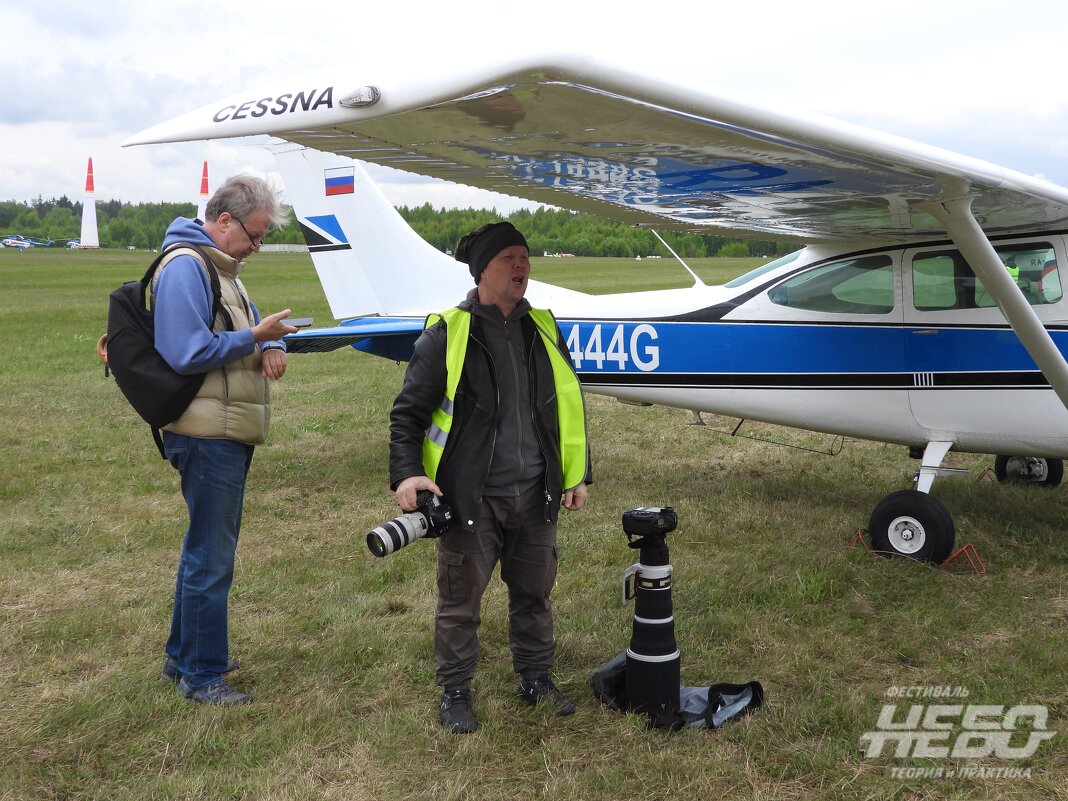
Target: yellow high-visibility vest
(571, 414)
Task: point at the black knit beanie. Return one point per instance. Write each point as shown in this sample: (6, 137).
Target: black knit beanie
(478, 248)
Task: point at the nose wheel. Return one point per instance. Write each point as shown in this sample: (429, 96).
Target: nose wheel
(912, 524)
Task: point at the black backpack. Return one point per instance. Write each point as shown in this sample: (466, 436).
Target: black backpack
(156, 392)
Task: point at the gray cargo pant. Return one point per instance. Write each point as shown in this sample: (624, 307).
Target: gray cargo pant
(514, 532)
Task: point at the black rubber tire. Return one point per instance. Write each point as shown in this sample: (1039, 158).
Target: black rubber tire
(1007, 469)
(912, 524)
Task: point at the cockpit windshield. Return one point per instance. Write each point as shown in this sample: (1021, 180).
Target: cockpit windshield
(762, 270)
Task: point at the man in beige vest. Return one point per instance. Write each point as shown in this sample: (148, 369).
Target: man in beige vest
(212, 443)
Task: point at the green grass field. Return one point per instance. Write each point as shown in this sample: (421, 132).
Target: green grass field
(336, 646)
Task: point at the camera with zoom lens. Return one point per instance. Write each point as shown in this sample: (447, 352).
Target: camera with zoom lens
(430, 519)
(648, 524)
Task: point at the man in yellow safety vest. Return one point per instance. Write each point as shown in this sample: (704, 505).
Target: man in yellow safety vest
(491, 418)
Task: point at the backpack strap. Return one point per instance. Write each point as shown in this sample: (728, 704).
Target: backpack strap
(217, 307)
(165, 257)
(157, 435)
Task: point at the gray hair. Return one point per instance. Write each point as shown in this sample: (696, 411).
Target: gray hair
(241, 195)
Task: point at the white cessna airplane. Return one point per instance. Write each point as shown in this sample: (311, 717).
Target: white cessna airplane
(926, 308)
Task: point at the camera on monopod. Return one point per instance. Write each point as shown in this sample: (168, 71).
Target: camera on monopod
(646, 677)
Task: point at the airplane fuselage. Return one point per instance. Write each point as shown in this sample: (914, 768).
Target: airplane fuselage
(896, 357)
(896, 343)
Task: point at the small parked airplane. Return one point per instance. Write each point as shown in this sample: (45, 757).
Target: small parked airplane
(926, 308)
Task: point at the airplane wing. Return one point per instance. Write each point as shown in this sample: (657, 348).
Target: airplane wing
(591, 136)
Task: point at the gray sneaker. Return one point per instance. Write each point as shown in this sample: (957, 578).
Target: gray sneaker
(456, 715)
(170, 669)
(218, 693)
(542, 691)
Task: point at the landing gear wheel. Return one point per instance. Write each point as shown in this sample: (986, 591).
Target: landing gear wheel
(911, 524)
(1029, 470)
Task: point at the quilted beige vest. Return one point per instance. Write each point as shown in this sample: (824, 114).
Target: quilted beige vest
(234, 401)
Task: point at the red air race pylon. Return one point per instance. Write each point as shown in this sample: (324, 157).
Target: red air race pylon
(89, 238)
(203, 204)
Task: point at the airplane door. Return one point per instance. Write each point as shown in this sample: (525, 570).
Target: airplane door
(835, 331)
(971, 374)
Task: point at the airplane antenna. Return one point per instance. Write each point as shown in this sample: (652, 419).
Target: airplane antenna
(696, 279)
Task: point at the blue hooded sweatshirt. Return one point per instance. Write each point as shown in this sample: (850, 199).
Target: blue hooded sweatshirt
(183, 323)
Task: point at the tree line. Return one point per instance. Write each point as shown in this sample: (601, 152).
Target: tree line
(547, 230)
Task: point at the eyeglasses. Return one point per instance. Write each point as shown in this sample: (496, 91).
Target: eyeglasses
(256, 241)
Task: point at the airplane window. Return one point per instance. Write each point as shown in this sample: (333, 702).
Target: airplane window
(856, 286)
(1049, 286)
(944, 280)
(745, 278)
(940, 281)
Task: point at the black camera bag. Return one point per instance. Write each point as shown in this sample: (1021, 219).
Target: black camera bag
(155, 391)
(706, 707)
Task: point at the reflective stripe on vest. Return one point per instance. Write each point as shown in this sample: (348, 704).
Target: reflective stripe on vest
(571, 417)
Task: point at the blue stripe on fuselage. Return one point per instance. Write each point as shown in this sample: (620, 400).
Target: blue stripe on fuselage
(739, 348)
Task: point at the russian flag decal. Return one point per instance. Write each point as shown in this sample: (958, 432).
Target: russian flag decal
(340, 181)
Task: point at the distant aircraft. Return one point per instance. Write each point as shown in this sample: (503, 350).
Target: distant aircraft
(926, 309)
(23, 242)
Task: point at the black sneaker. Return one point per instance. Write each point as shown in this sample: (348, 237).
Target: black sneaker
(218, 693)
(456, 713)
(170, 669)
(542, 690)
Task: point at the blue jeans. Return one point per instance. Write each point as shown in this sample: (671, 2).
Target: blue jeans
(213, 475)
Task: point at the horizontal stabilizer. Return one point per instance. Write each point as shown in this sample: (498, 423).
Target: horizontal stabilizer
(391, 337)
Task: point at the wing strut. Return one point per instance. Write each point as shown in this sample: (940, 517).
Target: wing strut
(955, 213)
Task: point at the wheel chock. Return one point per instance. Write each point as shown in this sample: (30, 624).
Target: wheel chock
(972, 555)
(859, 536)
(968, 551)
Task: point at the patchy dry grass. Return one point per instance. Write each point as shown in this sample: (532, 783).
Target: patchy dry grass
(336, 646)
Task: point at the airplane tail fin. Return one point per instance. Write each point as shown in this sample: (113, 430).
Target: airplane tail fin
(369, 261)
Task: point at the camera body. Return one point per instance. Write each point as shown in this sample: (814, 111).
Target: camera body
(648, 523)
(430, 519)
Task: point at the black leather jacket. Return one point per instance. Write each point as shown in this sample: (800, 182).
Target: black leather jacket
(465, 462)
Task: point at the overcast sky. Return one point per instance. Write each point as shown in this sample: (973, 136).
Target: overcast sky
(982, 78)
